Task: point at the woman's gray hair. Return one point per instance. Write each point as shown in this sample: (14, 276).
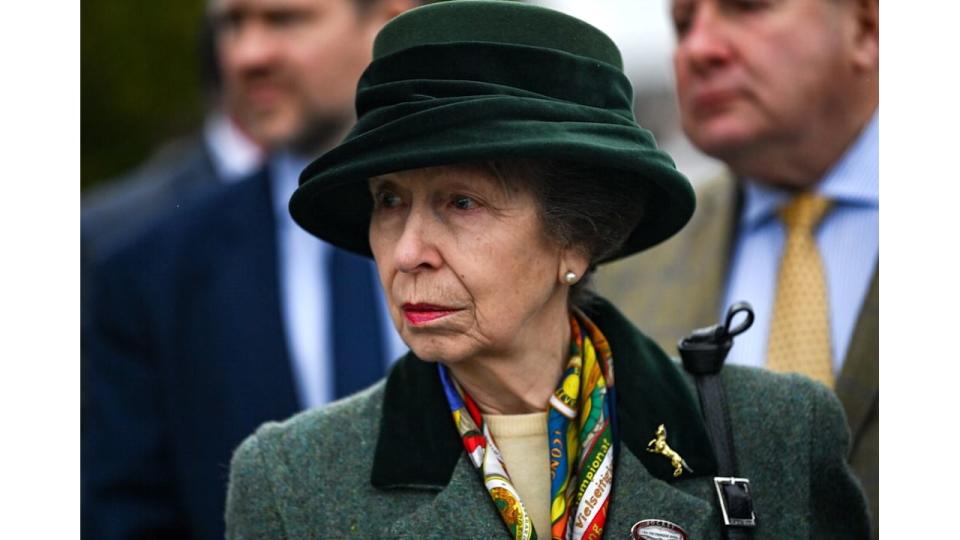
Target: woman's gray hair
(584, 207)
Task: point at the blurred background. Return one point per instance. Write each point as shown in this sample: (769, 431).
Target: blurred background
(141, 82)
(143, 79)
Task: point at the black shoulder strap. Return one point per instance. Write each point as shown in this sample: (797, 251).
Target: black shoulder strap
(703, 353)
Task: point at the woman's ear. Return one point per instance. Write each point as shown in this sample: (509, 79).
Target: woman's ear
(573, 265)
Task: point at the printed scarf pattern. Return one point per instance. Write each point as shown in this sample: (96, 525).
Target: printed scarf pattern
(580, 429)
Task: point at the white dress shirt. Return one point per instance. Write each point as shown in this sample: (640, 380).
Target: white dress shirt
(305, 298)
(848, 240)
(233, 154)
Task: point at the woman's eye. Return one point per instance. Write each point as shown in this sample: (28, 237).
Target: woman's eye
(749, 5)
(387, 199)
(462, 202)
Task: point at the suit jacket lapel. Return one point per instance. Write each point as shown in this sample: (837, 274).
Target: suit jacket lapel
(858, 385)
(721, 205)
(249, 307)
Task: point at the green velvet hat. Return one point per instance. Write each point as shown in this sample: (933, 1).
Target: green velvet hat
(479, 80)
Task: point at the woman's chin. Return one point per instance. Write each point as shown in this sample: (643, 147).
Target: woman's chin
(437, 352)
(433, 355)
(444, 341)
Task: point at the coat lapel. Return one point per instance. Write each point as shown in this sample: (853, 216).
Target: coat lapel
(462, 509)
(419, 448)
(651, 391)
(243, 332)
(858, 385)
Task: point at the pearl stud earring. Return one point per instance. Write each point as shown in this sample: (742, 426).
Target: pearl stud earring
(570, 278)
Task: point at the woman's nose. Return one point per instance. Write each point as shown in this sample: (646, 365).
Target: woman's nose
(416, 249)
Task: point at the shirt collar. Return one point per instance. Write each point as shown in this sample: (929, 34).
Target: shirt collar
(852, 181)
(233, 154)
(285, 169)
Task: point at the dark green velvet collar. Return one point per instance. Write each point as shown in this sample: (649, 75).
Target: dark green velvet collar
(418, 446)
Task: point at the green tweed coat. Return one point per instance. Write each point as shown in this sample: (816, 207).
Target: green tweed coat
(388, 463)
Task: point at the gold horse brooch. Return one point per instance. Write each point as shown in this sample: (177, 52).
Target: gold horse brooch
(659, 446)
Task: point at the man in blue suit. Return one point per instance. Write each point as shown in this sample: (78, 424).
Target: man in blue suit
(224, 315)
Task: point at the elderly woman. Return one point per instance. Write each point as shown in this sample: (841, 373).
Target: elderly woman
(494, 164)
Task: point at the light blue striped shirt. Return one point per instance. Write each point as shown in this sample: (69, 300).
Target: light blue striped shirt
(848, 239)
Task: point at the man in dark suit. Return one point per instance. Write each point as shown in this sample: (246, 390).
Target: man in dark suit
(117, 211)
(786, 94)
(219, 318)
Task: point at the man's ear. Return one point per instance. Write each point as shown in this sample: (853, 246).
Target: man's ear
(866, 46)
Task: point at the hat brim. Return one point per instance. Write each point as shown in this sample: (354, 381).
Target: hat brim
(334, 202)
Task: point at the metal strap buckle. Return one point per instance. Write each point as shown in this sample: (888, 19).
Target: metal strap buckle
(735, 520)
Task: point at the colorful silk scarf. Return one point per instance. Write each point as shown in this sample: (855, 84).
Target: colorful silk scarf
(581, 443)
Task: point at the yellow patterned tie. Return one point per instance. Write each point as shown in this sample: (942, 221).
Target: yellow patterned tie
(800, 330)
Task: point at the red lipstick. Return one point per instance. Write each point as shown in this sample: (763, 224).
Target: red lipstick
(417, 314)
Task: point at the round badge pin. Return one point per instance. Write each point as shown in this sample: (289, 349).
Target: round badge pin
(657, 529)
